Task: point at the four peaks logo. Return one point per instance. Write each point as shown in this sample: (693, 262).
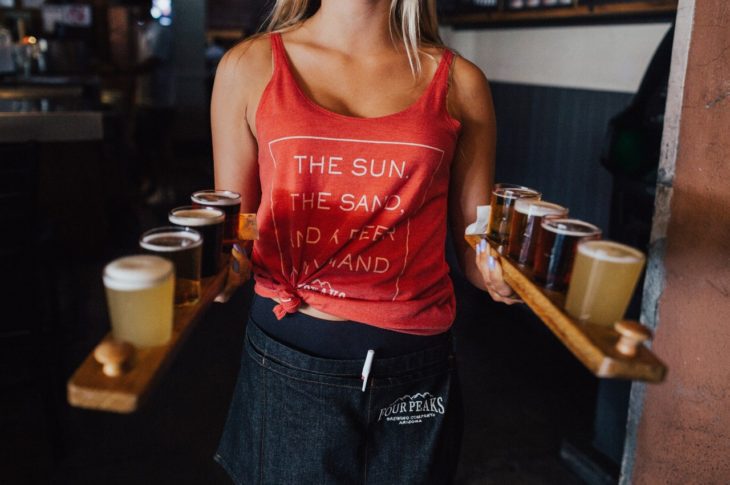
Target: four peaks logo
(412, 409)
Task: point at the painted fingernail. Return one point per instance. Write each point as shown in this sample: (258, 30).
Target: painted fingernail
(483, 245)
(491, 263)
(478, 248)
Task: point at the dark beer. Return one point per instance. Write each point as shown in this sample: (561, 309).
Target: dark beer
(182, 246)
(526, 221)
(208, 221)
(555, 252)
(227, 201)
(504, 197)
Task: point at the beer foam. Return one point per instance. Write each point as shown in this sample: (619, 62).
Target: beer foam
(187, 240)
(611, 251)
(516, 193)
(196, 216)
(538, 208)
(216, 197)
(568, 227)
(131, 273)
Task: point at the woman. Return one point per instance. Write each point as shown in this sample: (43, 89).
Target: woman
(354, 134)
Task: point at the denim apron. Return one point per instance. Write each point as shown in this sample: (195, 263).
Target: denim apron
(299, 419)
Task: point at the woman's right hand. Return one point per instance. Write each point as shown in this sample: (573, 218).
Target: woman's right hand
(487, 261)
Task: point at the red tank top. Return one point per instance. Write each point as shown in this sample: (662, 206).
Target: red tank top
(353, 213)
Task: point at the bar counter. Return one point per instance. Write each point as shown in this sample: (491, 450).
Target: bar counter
(49, 109)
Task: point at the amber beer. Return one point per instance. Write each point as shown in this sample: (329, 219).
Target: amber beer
(556, 246)
(183, 247)
(227, 201)
(605, 274)
(526, 221)
(139, 291)
(208, 221)
(504, 197)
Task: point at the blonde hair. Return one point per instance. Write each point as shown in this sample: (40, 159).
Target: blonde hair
(412, 22)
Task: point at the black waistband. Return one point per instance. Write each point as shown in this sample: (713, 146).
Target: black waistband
(336, 339)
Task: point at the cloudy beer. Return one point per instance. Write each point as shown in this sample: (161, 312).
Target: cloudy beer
(555, 252)
(183, 247)
(227, 201)
(526, 221)
(208, 221)
(139, 291)
(604, 277)
(504, 197)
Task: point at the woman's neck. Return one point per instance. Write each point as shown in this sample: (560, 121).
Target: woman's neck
(353, 26)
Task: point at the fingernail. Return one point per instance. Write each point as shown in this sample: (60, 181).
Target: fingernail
(478, 248)
(483, 245)
(491, 263)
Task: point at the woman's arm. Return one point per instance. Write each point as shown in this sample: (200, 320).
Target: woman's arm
(240, 79)
(472, 174)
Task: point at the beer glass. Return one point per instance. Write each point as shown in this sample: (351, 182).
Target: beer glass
(183, 247)
(555, 251)
(227, 201)
(208, 221)
(605, 274)
(139, 291)
(526, 221)
(504, 197)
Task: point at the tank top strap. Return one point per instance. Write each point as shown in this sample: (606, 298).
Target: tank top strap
(439, 86)
(278, 53)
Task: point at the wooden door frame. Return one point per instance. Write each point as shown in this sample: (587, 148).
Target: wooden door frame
(655, 273)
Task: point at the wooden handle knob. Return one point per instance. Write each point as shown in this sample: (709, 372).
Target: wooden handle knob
(113, 354)
(633, 334)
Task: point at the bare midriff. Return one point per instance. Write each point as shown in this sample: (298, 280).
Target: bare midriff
(313, 312)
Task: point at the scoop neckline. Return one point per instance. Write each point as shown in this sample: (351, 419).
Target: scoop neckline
(300, 92)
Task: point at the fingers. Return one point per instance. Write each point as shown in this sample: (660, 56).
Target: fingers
(482, 261)
(239, 271)
(487, 260)
(495, 270)
(226, 294)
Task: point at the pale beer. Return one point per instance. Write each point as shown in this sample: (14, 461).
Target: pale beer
(605, 274)
(504, 197)
(139, 292)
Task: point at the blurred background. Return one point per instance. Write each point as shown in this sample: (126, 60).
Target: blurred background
(104, 127)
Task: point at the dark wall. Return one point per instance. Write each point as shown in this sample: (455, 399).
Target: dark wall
(551, 139)
(237, 14)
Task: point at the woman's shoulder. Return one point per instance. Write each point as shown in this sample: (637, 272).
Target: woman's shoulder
(464, 74)
(468, 76)
(468, 88)
(247, 63)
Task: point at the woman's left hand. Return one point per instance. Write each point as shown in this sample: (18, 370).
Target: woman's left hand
(487, 261)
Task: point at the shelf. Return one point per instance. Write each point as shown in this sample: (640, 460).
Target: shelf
(577, 14)
(593, 345)
(231, 35)
(90, 388)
